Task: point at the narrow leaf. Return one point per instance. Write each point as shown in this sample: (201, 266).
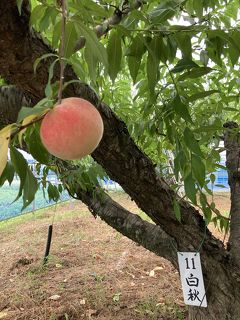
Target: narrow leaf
(201, 95)
(189, 185)
(198, 169)
(30, 188)
(71, 37)
(195, 73)
(19, 5)
(44, 56)
(181, 109)
(184, 64)
(114, 51)
(20, 165)
(133, 65)
(4, 143)
(191, 142)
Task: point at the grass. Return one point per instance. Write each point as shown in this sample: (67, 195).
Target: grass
(150, 308)
(40, 214)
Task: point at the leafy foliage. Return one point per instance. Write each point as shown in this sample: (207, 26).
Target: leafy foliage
(170, 70)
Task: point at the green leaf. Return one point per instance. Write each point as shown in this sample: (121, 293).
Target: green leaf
(195, 73)
(179, 163)
(198, 8)
(177, 211)
(96, 47)
(53, 193)
(234, 52)
(19, 6)
(8, 174)
(189, 186)
(137, 47)
(133, 65)
(201, 95)
(44, 56)
(114, 51)
(163, 49)
(134, 56)
(91, 62)
(56, 35)
(172, 48)
(46, 19)
(181, 109)
(215, 46)
(28, 183)
(30, 189)
(205, 208)
(37, 14)
(21, 166)
(95, 8)
(184, 64)
(212, 178)
(35, 145)
(163, 12)
(77, 67)
(71, 38)
(185, 45)
(26, 111)
(152, 71)
(49, 89)
(191, 142)
(198, 169)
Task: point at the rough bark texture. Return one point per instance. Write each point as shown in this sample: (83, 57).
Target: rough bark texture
(11, 100)
(232, 145)
(125, 163)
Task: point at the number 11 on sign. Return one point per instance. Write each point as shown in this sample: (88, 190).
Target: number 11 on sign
(192, 279)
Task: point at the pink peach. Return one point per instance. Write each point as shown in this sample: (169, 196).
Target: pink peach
(72, 129)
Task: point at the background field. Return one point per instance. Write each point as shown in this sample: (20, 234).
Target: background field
(93, 273)
(8, 208)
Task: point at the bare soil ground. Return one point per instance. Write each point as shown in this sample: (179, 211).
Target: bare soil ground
(93, 271)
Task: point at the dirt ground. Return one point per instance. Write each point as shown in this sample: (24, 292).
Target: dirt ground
(93, 271)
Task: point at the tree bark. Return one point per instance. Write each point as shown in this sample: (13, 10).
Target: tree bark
(232, 145)
(124, 162)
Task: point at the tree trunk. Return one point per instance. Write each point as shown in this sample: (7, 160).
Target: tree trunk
(129, 166)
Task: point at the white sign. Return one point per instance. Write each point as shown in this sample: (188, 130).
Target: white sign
(192, 279)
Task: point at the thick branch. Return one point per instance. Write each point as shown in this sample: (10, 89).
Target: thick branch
(115, 19)
(148, 235)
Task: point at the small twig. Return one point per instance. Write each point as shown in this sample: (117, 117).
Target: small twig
(61, 52)
(22, 127)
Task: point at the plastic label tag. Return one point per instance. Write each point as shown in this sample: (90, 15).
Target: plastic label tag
(192, 279)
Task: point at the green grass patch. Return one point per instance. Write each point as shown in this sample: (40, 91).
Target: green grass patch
(42, 214)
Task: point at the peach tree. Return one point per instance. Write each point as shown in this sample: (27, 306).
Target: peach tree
(165, 79)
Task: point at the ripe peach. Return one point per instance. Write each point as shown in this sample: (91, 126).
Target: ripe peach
(72, 129)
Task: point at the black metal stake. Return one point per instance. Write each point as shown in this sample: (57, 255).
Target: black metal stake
(48, 246)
